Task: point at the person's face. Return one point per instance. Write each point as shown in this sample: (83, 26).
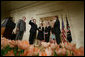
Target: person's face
(41, 24)
(55, 17)
(24, 18)
(34, 21)
(48, 23)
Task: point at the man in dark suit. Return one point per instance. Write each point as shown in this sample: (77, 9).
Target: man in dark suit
(21, 28)
(33, 30)
(9, 26)
(57, 30)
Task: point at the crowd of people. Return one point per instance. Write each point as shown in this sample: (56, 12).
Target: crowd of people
(47, 33)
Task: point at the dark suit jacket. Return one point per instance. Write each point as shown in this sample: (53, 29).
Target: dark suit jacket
(33, 27)
(21, 25)
(57, 27)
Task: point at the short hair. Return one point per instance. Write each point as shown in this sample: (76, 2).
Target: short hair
(56, 17)
(34, 19)
(24, 17)
(10, 18)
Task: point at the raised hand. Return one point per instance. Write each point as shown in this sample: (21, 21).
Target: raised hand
(31, 18)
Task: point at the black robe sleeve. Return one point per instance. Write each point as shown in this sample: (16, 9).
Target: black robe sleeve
(33, 26)
(30, 22)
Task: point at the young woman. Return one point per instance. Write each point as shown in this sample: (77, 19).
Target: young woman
(47, 32)
(41, 32)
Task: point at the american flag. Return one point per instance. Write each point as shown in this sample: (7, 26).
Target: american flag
(63, 32)
(69, 37)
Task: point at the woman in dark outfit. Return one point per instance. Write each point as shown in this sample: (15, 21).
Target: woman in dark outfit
(33, 31)
(47, 32)
(41, 32)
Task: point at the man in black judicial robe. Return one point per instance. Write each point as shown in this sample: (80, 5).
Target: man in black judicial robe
(41, 33)
(9, 26)
(33, 30)
(57, 30)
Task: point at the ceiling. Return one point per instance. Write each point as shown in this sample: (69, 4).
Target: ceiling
(12, 5)
(8, 6)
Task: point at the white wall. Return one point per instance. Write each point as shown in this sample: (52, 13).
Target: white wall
(75, 12)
